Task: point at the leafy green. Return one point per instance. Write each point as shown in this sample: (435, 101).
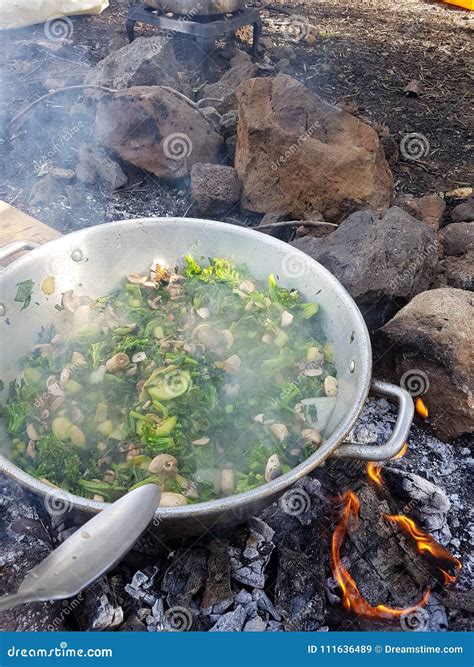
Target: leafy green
(24, 293)
(57, 461)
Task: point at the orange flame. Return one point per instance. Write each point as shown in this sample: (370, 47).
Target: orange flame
(401, 453)
(421, 408)
(427, 546)
(374, 471)
(351, 597)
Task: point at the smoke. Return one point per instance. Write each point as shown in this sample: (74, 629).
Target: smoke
(47, 121)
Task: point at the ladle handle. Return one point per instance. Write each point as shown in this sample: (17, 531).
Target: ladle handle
(401, 429)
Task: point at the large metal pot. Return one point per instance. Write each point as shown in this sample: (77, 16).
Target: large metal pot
(193, 8)
(93, 261)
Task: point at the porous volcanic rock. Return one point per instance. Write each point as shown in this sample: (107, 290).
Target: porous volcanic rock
(458, 271)
(431, 340)
(147, 61)
(458, 238)
(156, 130)
(224, 90)
(214, 188)
(297, 153)
(382, 261)
(96, 166)
(429, 208)
(463, 212)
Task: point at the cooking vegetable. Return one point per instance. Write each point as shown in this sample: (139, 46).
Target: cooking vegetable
(207, 382)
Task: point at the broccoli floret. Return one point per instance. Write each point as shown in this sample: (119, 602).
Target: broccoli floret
(57, 462)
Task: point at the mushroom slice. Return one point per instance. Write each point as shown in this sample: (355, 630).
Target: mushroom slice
(311, 435)
(227, 481)
(279, 431)
(138, 357)
(70, 301)
(201, 442)
(137, 279)
(259, 418)
(330, 386)
(232, 364)
(203, 313)
(312, 372)
(273, 468)
(164, 463)
(169, 499)
(31, 432)
(117, 363)
(286, 319)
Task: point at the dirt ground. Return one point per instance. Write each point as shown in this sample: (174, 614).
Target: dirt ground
(360, 55)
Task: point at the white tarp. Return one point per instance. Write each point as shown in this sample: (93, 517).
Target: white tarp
(54, 13)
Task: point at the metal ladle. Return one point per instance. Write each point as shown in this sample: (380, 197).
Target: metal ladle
(92, 550)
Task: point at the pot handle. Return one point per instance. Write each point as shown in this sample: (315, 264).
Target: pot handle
(13, 248)
(394, 444)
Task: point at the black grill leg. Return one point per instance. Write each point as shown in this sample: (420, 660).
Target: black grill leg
(257, 33)
(130, 28)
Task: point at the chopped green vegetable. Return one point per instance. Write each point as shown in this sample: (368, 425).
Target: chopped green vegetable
(24, 293)
(191, 380)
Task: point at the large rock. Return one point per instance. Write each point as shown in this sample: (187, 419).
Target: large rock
(429, 208)
(96, 166)
(222, 92)
(382, 262)
(297, 153)
(147, 61)
(464, 212)
(432, 339)
(458, 271)
(458, 238)
(156, 130)
(214, 188)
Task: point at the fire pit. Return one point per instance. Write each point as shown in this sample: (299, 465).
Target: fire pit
(205, 21)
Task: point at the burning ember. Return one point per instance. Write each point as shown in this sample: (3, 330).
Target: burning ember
(428, 547)
(374, 471)
(421, 408)
(351, 597)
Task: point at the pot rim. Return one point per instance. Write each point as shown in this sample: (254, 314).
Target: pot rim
(218, 506)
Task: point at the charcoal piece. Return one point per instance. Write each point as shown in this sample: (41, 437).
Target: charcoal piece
(133, 624)
(274, 626)
(299, 593)
(255, 624)
(24, 542)
(265, 604)
(429, 504)
(248, 565)
(100, 609)
(218, 593)
(233, 621)
(185, 576)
